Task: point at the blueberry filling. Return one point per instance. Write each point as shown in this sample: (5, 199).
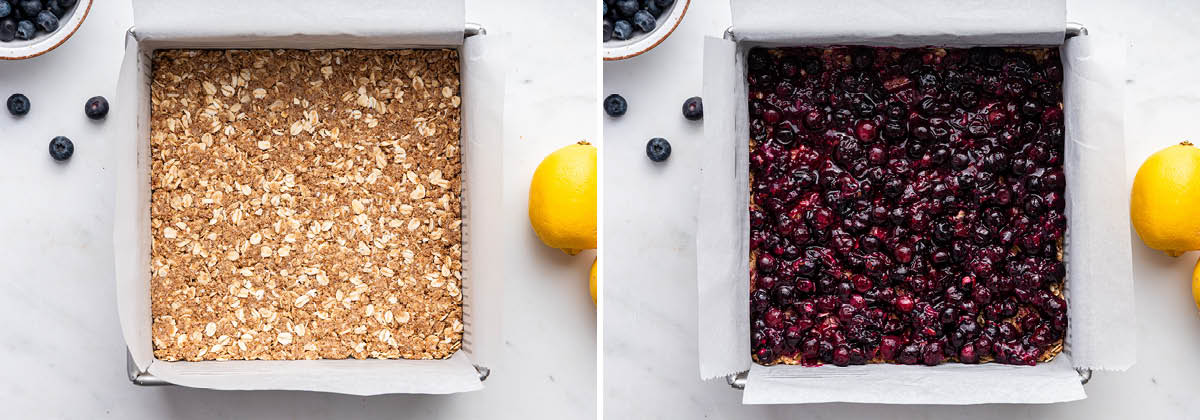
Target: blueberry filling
(906, 205)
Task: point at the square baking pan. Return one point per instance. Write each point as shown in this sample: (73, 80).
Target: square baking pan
(404, 24)
(1101, 257)
(738, 380)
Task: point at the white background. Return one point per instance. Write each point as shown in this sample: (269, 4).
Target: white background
(650, 366)
(61, 350)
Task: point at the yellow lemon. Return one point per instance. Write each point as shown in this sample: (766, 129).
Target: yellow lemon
(562, 199)
(1166, 194)
(1196, 284)
(592, 283)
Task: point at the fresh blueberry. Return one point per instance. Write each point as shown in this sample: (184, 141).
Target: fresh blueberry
(627, 8)
(693, 108)
(603, 9)
(5, 8)
(658, 149)
(8, 30)
(608, 30)
(18, 104)
(66, 4)
(61, 148)
(644, 21)
(650, 6)
(622, 30)
(47, 21)
(55, 8)
(25, 30)
(96, 107)
(663, 4)
(30, 8)
(615, 105)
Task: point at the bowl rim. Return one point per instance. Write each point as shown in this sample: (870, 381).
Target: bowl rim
(37, 46)
(637, 45)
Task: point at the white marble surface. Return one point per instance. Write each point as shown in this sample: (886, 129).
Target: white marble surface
(61, 351)
(650, 366)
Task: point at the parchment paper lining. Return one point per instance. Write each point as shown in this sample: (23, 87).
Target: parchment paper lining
(1098, 251)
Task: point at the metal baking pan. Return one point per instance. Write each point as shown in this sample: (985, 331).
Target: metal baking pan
(146, 379)
(738, 380)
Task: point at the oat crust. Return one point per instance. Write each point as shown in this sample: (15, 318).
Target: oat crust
(305, 204)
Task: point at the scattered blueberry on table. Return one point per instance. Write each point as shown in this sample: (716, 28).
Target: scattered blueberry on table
(693, 108)
(96, 107)
(615, 105)
(25, 19)
(658, 149)
(61, 148)
(18, 104)
(624, 17)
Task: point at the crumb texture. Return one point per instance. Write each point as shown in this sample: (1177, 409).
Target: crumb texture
(305, 204)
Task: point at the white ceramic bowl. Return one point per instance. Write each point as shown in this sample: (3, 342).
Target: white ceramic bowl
(641, 41)
(43, 42)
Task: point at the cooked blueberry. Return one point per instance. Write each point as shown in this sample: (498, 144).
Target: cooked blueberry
(615, 105)
(61, 148)
(18, 104)
(25, 30)
(627, 8)
(862, 58)
(929, 192)
(47, 21)
(693, 108)
(658, 149)
(5, 8)
(622, 30)
(96, 107)
(644, 21)
(8, 30)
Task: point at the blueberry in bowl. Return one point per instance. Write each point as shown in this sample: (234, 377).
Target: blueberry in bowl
(899, 205)
(8, 30)
(29, 28)
(632, 27)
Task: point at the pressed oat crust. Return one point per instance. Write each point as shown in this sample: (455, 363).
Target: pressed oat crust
(305, 204)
